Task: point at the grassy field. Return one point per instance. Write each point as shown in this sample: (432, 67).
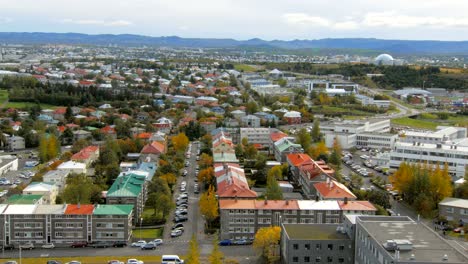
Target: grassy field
(3, 96)
(147, 233)
(245, 68)
(90, 260)
(415, 123)
(28, 104)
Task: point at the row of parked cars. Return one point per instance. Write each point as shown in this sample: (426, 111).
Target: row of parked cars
(148, 245)
(77, 244)
(230, 242)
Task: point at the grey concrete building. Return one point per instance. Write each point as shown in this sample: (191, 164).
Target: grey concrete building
(454, 209)
(315, 243)
(398, 239)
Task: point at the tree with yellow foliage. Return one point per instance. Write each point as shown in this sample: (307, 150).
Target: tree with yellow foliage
(205, 161)
(320, 149)
(276, 172)
(206, 175)
(180, 142)
(216, 256)
(266, 242)
(193, 256)
(170, 178)
(209, 205)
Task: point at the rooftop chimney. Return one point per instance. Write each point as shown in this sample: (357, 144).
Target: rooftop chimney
(345, 200)
(266, 200)
(235, 198)
(287, 202)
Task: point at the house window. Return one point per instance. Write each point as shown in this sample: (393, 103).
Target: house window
(329, 259)
(318, 246)
(295, 246)
(307, 246)
(330, 246)
(295, 259)
(341, 260)
(318, 259)
(449, 210)
(307, 259)
(341, 247)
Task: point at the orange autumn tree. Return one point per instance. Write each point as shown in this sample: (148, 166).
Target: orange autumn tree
(180, 142)
(209, 205)
(266, 240)
(206, 175)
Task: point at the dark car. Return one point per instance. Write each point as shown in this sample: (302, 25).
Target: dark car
(177, 226)
(9, 247)
(81, 244)
(179, 219)
(101, 244)
(149, 245)
(225, 242)
(53, 262)
(119, 244)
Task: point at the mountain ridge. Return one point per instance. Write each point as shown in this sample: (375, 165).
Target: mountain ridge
(392, 46)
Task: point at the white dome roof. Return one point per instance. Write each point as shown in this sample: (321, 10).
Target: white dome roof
(384, 58)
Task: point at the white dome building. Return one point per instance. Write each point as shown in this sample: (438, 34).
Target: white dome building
(384, 59)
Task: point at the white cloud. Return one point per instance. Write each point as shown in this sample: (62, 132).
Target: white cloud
(346, 25)
(301, 19)
(115, 23)
(5, 20)
(392, 19)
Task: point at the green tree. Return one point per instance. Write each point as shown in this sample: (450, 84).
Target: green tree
(273, 190)
(303, 137)
(68, 114)
(80, 189)
(276, 172)
(266, 242)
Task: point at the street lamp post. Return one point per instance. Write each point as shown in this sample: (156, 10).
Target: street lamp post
(141, 221)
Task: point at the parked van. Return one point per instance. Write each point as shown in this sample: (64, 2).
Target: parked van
(171, 259)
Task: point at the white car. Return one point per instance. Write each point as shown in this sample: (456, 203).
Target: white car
(138, 243)
(134, 261)
(158, 242)
(49, 246)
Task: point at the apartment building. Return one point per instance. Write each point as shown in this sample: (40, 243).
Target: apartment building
(258, 136)
(63, 224)
(313, 172)
(232, 183)
(285, 146)
(454, 209)
(454, 154)
(57, 177)
(129, 188)
(8, 163)
(315, 243)
(376, 140)
(398, 239)
(250, 121)
(242, 218)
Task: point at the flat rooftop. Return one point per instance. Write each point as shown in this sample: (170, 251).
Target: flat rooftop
(314, 232)
(428, 246)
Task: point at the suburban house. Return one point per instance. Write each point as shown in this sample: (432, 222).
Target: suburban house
(74, 167)
(155, 148)
(15, 143)
(454, 209)
(311, 173)
(87, 155)
(333, 190)
(232, 183)
(58, 177)
(48, 190)
(285, 146)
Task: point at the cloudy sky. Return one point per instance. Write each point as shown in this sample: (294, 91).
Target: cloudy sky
(243, 19)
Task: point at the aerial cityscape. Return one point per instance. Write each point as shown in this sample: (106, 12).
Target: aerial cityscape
(233, 132)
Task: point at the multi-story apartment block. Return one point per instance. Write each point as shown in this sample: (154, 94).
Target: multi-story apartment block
(398, 239)
(250, 121)
(454, 209)
(376, 140)
(454, 154)
(257, 135)
(315, 243)
(285, 146)
(62, 224)
(129, 188)
(58, 177)
(242, 218)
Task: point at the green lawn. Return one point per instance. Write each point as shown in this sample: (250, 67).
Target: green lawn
(28, 104)
(245, 67)
(151, 233)
(3, 96)
(415, 123)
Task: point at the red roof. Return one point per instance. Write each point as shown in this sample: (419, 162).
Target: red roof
(108, 130)
(297, 159)
(83, 209)
(144, 135)
(357, 206)
(85, 153)
(154, 147)
(275, 136)
(86, 83)
(333, 190)
(61, 128)
(60, 111)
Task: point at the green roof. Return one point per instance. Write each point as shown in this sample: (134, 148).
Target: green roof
(90, 128)
(314, 232)
(129, 185)
(24, 199)
(225, 157)
(286, 144)
(113, 209)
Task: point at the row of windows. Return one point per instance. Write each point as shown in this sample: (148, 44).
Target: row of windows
(69, 234)
(109, 235)
(68, 225)
(329, 259)
(318, 246)
(28, 225)
(432, 154)
(28, 234)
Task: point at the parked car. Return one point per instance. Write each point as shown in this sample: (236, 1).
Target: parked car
(114, 262)
(177, 226)
(181, 202)
(53, 262)
(176, 233)
(158, 241)
(27, 245)
(139, 243)
(242, 242)
(49, 246)
(73, 262)
(9, 247)
(149, 245)
(134, 261)
(101, 244)
(179, 219)
(77, 244)
(119, 244)
(11, 262)
(225, 242)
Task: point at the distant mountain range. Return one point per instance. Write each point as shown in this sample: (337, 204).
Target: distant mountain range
(402, 47)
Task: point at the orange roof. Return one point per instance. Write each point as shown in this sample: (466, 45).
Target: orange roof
(85, 153)
(259, 204)
(144, 135)
(83, 209)
(61, 129)
(275, 136)
(60, 111)
(154, 147)
(333, 190)
(357, 206)
(108, 130)
(297, 159)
